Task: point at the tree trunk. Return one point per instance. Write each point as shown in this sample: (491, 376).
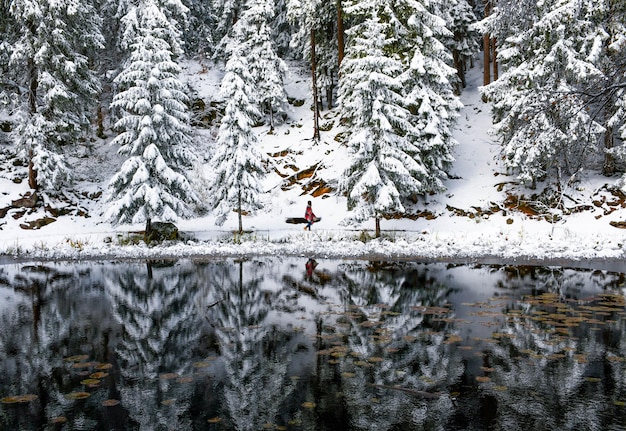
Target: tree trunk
(32, 105)
(100, 123)
(494, 60)
(32, 173)
(316, 108)
(608, 167)
(460, 69)
(239, 211)
(377, 233)
(487, 49)
(340, 33)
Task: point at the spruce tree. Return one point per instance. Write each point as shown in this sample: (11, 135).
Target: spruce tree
(382, 166)
(397, 101)
(50, 56)
(268, 71)
(540, 108)
(154, 125)
(429, 92)
(237, 165)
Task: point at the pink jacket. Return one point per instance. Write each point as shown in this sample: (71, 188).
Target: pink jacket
(308, 215)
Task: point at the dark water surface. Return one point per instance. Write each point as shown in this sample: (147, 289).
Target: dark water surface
(289, 344)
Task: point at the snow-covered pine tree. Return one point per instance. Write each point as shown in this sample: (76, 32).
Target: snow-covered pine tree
(429, 91)
(541, 118)
(198, 33)
(304, 15)
(228, 12)
(281, 30)
(50, 57)
(464, 42)
(383, 168)
(253, 35)
(610, 92)
(154, 125)
(397, 98)
(237, 166)
(617, 46)
(318, 20)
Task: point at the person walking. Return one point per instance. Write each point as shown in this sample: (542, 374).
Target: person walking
(309, 216)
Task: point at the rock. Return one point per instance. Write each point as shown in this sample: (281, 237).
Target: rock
(161, 231)
(37, 224)
(27, 201)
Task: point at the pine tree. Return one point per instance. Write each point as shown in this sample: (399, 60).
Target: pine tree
(618, 45)
(610, 92)
(464, 42)
(304, 14)
(237, 165)
(428, 86)
(382, 168)
(228, 12)
(51, 57)
(198, 33)
(540, 111)
(282, 30)
(398, 103)
(252, 34)
(155, 134)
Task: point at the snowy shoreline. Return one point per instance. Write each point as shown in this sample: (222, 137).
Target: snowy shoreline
(584, 251)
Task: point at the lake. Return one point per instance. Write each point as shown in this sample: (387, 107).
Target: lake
(303, 344)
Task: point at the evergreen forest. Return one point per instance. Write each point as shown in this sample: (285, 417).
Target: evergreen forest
(83, 73)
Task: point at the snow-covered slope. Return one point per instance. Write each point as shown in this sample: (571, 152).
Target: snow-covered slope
(482, 214)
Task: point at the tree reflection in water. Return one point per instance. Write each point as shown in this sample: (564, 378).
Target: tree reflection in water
(283, 344)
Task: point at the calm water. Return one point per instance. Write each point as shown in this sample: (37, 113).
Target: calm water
(289, 344)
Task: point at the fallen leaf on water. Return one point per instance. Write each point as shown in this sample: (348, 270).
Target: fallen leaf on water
(201, 364)
(80, 365)
(592, 379)
(19, 399)
(59, 420)
(168, 376)
(185, 379)
(77, 395)
(76, 358)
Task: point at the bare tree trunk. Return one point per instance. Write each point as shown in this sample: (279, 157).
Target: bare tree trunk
(32, 105)
(340, 33)
(487, 49)
(377, 233)
(316, 108)
(100, 123)
(460, 69)
(608, 167)
(239, 211)
(494, 59)
(32, 173)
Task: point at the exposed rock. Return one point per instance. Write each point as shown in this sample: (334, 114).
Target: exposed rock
(161, 231)
(37, 224)
(27, 201)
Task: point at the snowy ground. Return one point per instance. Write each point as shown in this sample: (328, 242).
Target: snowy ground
(469, 222)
